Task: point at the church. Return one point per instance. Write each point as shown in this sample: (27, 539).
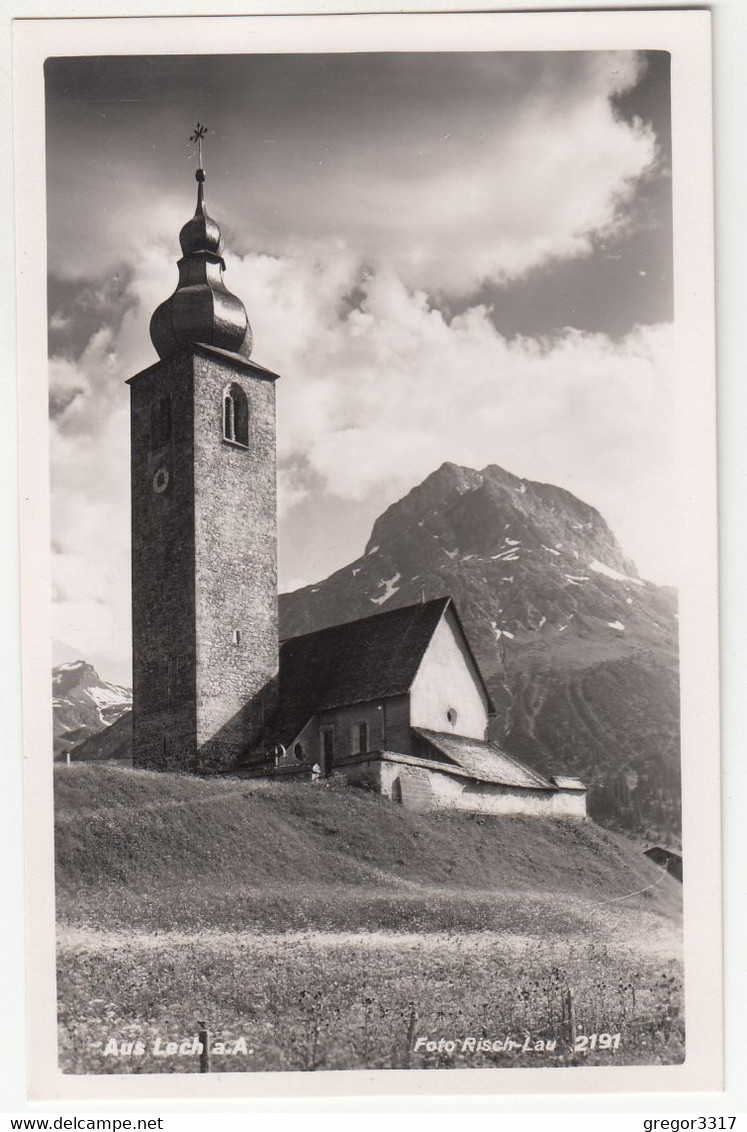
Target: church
(394, 702)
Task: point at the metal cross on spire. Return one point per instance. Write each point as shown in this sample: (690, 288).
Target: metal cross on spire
(196, 136)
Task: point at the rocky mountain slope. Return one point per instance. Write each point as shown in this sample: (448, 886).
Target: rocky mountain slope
(83, 704)
(579, 652)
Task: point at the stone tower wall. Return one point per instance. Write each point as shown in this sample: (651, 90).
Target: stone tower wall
(204, 554)
(235, 563)
(163, 570)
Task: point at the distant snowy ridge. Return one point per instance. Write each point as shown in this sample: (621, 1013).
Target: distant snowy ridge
(83, 704)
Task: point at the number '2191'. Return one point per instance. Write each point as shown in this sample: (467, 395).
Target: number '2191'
(596, 1041)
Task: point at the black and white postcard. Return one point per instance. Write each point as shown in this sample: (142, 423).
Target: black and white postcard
(368, 468)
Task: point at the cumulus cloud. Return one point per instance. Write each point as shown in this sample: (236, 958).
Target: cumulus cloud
(373, 399)
(448, 170)
(378, 388)
(89, 454)
(550, 171)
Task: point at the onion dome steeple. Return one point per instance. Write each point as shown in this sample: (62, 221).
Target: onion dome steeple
(201, 308)
(201, 233)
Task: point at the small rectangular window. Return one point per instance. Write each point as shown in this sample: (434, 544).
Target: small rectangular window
(359, 738)
(237, 636)
(165, 419)
(160, 422)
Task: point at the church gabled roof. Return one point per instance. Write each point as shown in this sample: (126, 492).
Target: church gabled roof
(373, 658)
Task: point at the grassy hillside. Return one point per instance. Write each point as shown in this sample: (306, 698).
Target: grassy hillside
(152, 835)
(333, 929)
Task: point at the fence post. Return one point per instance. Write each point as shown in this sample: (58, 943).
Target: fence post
(570, 1017)
(410, 1035)
(204, 1039)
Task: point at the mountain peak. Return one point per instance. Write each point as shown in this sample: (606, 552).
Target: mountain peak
(73, 674)
(473, 512)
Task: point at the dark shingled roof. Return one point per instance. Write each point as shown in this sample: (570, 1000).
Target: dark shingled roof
(373, 658)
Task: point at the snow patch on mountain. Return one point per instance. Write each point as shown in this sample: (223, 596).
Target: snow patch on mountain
(108, 695)
(390, 588)
(601, 568)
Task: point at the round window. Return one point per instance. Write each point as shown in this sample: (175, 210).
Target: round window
(451, 715)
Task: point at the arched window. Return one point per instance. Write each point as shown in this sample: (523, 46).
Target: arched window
(236, 416)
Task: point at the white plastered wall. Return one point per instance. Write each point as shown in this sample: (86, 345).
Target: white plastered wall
(448, 680)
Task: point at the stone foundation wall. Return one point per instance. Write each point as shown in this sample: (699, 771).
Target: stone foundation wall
(422, 789)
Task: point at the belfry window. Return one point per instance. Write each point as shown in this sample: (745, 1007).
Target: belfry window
(236, 416)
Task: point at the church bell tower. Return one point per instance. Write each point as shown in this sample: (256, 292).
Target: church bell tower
(204, 541)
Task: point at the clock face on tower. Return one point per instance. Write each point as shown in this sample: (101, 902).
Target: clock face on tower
(161, 479)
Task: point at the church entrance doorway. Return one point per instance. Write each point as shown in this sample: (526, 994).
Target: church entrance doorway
(327, 749)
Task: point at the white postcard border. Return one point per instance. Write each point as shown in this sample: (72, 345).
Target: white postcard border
(686, 35)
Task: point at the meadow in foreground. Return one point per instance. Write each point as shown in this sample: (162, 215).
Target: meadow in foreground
(314, 1001)
(319, 930)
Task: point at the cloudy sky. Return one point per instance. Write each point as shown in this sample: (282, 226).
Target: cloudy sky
(457, 257)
